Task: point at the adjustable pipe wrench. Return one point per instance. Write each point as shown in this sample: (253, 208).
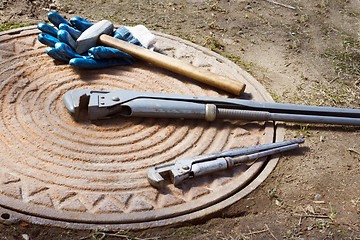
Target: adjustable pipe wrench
(104, 104)
(186, 168)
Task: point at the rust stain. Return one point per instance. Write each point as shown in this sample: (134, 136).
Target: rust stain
(100, 167)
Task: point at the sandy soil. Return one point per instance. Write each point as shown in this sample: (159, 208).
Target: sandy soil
(305, 52)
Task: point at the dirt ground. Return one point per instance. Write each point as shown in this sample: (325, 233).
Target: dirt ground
(303, 52)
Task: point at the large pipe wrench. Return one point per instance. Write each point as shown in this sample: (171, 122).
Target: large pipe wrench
(186, 168)
(105, 104)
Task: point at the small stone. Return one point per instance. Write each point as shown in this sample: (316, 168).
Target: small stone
(52, 6)
(25, 236)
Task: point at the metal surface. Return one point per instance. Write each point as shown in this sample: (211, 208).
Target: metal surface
(102, 104)
(59, 172)
(89, 37)
(183, 169)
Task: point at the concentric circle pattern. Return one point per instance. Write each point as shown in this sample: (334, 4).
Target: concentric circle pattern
(95, 172)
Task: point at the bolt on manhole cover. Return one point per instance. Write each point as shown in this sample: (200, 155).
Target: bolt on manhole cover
(59, 172)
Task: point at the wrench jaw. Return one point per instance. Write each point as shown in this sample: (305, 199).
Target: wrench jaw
(76, 100)
(158, 176)
(83, 103)
(154, 178)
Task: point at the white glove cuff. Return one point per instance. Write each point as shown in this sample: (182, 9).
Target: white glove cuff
(145, 37)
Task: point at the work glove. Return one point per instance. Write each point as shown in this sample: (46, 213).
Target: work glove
(62, 43)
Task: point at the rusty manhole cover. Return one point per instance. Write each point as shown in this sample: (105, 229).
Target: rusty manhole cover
(84, 174)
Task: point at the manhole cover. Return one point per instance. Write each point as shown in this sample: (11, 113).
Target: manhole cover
(83, 174)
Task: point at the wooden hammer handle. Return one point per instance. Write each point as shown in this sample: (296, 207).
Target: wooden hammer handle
(174, 65)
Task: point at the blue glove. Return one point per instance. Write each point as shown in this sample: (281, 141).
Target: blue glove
(62, 44)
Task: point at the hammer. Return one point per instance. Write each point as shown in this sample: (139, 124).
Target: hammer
(99, 34)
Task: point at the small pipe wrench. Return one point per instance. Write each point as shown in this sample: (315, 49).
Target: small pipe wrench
(186, 168)
(104, 104)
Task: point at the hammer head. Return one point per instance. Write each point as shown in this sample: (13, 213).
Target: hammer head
(89, 37)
